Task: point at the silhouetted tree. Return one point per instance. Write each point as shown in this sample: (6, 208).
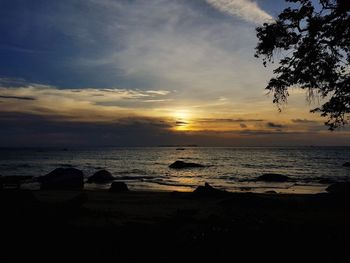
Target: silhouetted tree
(313, 42)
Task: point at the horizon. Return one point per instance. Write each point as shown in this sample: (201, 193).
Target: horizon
(62, 148)
(135, 74)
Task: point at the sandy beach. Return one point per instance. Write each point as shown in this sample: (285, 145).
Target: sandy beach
(167, 226)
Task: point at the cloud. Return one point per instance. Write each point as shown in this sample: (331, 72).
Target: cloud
(305, 121)
(245, 9)
(30, 130)
(33, 130)
(274, 125)
(149, 45)
(264, 132)
(89, 104)
(228, 120)
(12, 82)
(16, 97)
(181, 123)
(181, 46)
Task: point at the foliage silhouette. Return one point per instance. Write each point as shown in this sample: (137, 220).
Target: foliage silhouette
(313, 42)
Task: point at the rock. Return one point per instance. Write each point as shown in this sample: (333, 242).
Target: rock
(100, 177)
(347, 164)
(118, 187)
(270, 177)
(183, 165)
(207, 190)
(270, 192)
(340, 188)
(63, 178)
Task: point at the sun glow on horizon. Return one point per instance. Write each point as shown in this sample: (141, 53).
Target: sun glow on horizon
(182, 120)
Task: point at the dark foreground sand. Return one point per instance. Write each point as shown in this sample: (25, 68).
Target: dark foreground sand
(161, 226)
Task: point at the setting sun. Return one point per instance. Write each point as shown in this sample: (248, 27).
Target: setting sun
(182, 115)
(182, 120)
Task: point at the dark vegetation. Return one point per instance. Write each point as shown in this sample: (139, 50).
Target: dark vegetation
(312, 44)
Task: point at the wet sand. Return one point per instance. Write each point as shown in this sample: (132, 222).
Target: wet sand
(168, 226)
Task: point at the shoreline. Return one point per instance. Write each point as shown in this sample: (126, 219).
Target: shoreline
(136, 186)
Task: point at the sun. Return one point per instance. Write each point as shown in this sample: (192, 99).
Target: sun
(181, 115)
(182, 119)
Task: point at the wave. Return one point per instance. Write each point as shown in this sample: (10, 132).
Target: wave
(132, 171)
(169, 183)
(66, 165)
(133, 178)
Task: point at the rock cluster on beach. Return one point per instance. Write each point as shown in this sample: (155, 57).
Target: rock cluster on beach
(63, 178)
(101, 177)
(207, 191)
(118, 187)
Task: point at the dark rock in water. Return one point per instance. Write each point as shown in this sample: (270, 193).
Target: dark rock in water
(100, 177)
(63, 178)
(207, 190)
(347, 164)
(273, 178)
(182, 165)
(341, 188)
(118, 187)
(180, 149)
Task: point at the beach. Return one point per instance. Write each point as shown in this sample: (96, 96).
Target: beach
(156, 204)
(50, 225)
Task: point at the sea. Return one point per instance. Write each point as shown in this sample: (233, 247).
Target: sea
(310, 169)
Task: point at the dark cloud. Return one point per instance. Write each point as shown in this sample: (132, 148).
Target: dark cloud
(303, 121)
(264, 132)
(17, 97)
(32, 130)
(27, 130)
(274, 125)
(228, 120)
(181, 123)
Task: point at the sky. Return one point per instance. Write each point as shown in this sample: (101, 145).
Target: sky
(144, 73)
